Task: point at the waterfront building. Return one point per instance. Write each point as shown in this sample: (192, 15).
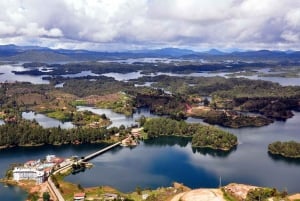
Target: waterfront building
(22, 173)
(49, 158)
(79, 197)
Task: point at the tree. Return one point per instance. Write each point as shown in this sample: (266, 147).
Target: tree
(205, 102)
(138, 190)
(46, 196)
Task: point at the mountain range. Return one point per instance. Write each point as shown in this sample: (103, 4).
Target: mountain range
(44, 54)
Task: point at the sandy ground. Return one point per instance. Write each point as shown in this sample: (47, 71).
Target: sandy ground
(239, 191)
(295, 197)
(200, 195)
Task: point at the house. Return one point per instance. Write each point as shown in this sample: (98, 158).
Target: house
(22, 173)
(79, 197)
(110, 196)
(49, 158)
(32, 163)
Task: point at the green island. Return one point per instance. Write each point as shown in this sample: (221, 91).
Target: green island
(202, 136)
(290, 149)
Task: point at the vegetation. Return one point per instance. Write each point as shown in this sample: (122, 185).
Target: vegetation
(227, 196)
(24, 133)
(289, 149)
(46, 196)
(230, 119)
(212, 137)
(269, 99)
(118, 102)
(262, 194)
(202, 136)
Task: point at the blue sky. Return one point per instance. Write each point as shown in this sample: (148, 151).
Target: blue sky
(139, 24)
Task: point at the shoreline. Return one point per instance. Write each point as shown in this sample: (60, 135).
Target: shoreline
(283, 155)
(176, 192)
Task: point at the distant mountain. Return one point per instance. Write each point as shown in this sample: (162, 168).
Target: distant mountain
(214, 52)
(38, 56)
(175, 52)
(43, 54)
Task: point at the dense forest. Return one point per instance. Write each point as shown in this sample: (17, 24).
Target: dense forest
(145, 67)
(289, 149)
(231, 119)
(29, 133)
(202, 136)
(212, 137)
(266, 98)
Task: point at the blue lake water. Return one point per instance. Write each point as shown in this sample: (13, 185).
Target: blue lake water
(119, 119)
(45, 121)
(159, 162)
(12, 193)
(6, 75)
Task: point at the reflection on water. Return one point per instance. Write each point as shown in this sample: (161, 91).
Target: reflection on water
(8, 76)
(1, 122)
(12, 193)
(280, 158)
(161, 161)
(119, 119)
(281, 80)
(168, 141)
(45, 121)
(81, 74)
(124, 76)
(212, 152)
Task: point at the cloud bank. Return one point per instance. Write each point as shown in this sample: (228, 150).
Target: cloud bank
(135, 24)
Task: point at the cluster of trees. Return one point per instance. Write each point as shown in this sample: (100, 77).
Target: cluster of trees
(231, 119)
(268, 98)
(82, 87)
(202, 136)
(162, 104)
(212, 137)
(100, 68)
(25, 132)
(155, 127)
(289, 149)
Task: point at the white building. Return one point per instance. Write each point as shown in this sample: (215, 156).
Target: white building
(49, 158)
(20, 173)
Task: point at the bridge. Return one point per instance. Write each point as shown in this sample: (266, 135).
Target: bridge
(54, 191)
(92, 155)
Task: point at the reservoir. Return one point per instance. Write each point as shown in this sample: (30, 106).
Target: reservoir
(161, 161)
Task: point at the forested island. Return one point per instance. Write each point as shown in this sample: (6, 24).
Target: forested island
(202, 136)
(290, 149)
(30, 133)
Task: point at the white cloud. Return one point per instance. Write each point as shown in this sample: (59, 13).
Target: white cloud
(290, 36)
(138, 23)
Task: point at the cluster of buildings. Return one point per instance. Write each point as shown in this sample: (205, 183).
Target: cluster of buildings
(38, 170)
(132, 139)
